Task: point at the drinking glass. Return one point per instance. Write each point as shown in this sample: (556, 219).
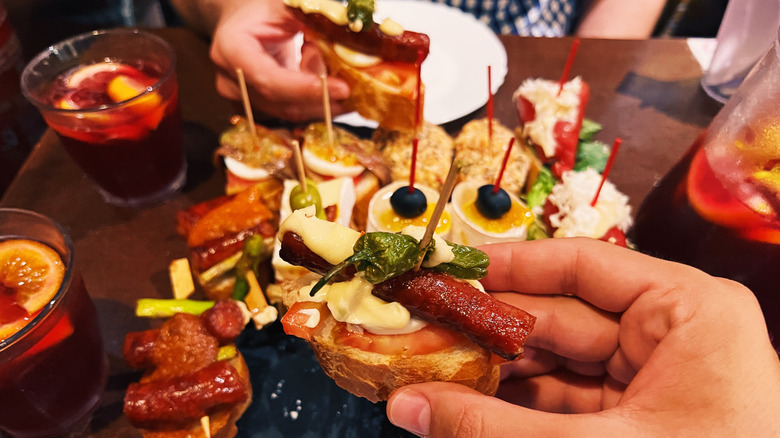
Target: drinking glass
(718, 207)
(112, 97)
(746, 32)
(53, 369)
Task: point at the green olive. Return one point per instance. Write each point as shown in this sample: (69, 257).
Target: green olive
(299, 199)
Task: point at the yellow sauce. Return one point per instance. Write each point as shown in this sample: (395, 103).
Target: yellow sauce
(352, 302)
(330, 9)
(389, 220)
(517, 216)
(391, 28)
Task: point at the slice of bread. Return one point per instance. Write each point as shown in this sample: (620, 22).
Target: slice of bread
(222, 424)
(385, 93)
(375, 376)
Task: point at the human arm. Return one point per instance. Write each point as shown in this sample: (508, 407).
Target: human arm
(257, 36)
(622, 19)
(641, 346)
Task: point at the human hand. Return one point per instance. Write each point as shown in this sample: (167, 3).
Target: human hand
(640, 346)
(257, 36)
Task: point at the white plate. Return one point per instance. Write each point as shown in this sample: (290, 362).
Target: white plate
(455, 71)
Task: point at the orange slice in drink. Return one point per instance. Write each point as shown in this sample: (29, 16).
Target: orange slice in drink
(98, 72)
(713, 201)
(30, 275)
(122, 88)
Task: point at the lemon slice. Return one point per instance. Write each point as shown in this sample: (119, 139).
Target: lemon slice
(31, 269)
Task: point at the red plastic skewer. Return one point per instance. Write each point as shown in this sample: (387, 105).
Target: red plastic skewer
(418, 105)
(607, 169)
(497, 184)
(569, 61)
(490, 109)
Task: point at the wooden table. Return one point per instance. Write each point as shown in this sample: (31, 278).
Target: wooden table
(646, 92)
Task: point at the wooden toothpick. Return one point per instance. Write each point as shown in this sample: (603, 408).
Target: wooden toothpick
(299, 163)
(245, 99)
(206, 425)
(326, 106)
(444, 197)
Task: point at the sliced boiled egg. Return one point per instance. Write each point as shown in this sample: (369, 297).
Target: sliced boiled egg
(243, 171)
(330, 166)
(355, 58)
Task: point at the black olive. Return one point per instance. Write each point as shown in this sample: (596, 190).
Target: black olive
(492, 205)
(407, 204)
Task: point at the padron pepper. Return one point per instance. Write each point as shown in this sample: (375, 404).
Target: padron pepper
(360, 14)
(381, 256)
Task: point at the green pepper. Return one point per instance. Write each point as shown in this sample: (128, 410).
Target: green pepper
(381, 256)
(360, 14)
(249, 261)
(299, 199)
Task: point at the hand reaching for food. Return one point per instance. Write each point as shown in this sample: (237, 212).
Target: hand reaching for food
(618, 354)
(257, 36)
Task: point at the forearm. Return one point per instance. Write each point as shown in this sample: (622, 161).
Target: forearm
(203, 15)
(626, 19)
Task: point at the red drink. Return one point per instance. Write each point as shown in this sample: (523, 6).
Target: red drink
(115, 108)
(131, 151)
(692, 218)
(718, 208)
(52, 365)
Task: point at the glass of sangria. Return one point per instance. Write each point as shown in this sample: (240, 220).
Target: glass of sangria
(112, 97)
(718, 207)
(53, 368)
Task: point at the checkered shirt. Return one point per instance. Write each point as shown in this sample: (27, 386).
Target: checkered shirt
(544, 18)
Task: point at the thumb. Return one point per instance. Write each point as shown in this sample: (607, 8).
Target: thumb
(439, 409)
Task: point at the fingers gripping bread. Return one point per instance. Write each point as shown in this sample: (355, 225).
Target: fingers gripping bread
(378, 93)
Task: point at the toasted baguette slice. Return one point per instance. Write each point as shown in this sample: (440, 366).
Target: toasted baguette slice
(375, 376)
(222, 424)
(385, 92)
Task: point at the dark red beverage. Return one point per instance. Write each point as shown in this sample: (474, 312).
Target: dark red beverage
(115, 108)
(692, 218)
(52, 364)
(58, 381)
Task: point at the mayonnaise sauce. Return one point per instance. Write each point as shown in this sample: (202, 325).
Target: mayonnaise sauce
(390, 27)
(442, 252)
(329, 240)
(332, 10)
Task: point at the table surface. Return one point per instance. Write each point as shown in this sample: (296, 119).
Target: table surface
(646, 92)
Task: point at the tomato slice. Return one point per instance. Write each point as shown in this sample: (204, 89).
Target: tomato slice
(429, 339)
(296, 321)
(615, 236)
(525, 110)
